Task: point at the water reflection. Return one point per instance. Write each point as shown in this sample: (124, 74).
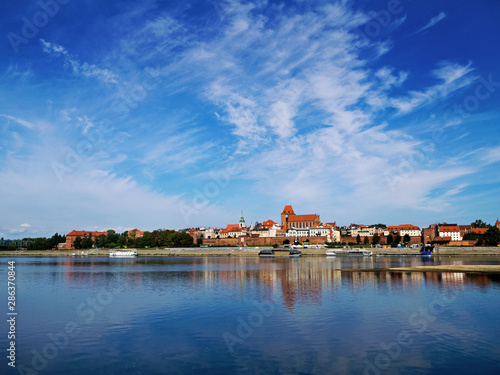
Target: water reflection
(294, 281)
(328, 315)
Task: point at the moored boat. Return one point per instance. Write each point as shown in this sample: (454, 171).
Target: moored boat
(286, 251)
(123, 253)
(427, 249)
(79, 254)
(349, 253)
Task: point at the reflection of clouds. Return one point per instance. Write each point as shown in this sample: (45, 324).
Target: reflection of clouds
(174, 310)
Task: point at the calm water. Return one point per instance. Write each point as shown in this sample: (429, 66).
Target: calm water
(233, 315)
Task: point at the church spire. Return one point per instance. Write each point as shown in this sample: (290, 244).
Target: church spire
(242, 221)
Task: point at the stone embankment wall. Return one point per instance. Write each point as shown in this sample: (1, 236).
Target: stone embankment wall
(468, 250)
(414, 240)
(260, 241)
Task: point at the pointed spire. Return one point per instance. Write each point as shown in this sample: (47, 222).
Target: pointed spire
(242, 221)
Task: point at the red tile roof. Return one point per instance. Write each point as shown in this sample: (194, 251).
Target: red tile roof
(478, 230)
(449, 228)
(268, 224)
(408, 227)
(446, 238)
(85, 233)
(233, 228)
(298, 218)
(288, 210)
(398, 228)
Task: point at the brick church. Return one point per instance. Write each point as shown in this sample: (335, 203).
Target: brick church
(290, 220)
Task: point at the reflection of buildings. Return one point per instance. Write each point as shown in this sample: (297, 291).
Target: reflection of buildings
(291, 282)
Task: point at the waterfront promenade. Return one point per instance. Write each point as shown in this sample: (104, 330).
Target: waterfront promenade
(252, 251)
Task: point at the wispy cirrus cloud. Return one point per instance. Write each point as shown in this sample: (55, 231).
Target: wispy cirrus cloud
(310, 111)
(85, 69)
(433, 21)
(453, 77)
(20, 121)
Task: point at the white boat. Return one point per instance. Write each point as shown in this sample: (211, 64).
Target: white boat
(349, 253)
(287, 251)
(315, 246)
(123, 253)
(79, 254)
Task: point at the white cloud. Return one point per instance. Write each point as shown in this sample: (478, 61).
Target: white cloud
(281, 119)
(433, 21)
(491, 155)
(453, 76)
(85, 69)
(20, 121)
(300, 101)
(308, 66)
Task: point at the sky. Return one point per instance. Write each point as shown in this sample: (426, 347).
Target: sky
(176, 114)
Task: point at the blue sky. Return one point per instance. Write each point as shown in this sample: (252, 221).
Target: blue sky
(177, 114)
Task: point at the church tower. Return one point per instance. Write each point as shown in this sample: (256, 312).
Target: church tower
(242, 221)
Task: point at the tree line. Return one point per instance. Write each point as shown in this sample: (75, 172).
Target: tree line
(43, 243)
(157, 238)
(490, 238)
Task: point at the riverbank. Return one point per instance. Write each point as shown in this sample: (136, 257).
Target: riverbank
(254, 251)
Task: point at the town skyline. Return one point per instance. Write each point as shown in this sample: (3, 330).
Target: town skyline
(275, 217)
(180, 114)
(291, 224)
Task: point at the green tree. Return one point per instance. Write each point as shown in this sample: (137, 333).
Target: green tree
(375, 239)
(480, 224)
(12, 246)
(55, 240)
(77, 243)
(87, 243)
(111, 238)
(480, 241)
(406, 239)
(366, 241)
(100, 241)
(122, 241)
(471, 236)
(383, 226)
(358, 239)
(492, 236)
(39, 243)
(397, 239)
(390, 239)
